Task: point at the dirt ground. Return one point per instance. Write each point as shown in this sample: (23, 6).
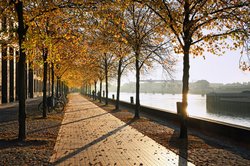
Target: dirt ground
(41, 136)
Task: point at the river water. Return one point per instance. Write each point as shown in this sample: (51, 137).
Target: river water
(196, 106)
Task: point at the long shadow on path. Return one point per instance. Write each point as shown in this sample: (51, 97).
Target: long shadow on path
(182, 146)
(34, 131)
(14, 143)
(92, 143)
(80, 109)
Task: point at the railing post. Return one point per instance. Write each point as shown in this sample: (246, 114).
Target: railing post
(131, 99)
(179, 105)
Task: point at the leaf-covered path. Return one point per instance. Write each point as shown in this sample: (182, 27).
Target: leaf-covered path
(91, 136)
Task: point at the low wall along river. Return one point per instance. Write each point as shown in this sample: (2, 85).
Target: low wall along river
(197, 107)
(204, 125)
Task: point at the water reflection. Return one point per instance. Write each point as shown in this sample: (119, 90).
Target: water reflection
(196, 106)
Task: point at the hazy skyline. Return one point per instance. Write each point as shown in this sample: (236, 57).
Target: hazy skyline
(214, 68)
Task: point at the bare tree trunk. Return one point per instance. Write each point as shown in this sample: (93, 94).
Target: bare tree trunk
(62, 88)
(137, 102)
(89, 90)
(49, 79)
(53, 80)
(107, 89)
(45, 65)
(185, 80)
(119, 74)
(21, 69)
(185, 87)
(86, 89)
(57, 86)
(87, 86)
(31, 80)
(95, 91)
(106, 79)
(4, 72)
(100, 94)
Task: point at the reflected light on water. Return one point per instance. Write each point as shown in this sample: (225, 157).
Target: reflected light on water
(196, 106)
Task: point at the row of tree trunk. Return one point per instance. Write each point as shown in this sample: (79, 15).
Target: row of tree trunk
(22, 90)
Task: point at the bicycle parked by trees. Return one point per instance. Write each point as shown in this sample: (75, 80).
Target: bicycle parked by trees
(54, 103)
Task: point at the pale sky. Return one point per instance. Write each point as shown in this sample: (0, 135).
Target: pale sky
(215, 69)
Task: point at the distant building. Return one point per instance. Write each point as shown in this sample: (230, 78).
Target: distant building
(9, 52)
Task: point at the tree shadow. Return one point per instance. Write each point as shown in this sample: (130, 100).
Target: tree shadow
(183, 153)
(9, 122)
(102, 105)
(79, 110)
(8, 106)
(115, 110)
(80, 103)
(38, 130)
(13, 143)
(182, 146)
(79, 150)
(205, 139)
(221, 142)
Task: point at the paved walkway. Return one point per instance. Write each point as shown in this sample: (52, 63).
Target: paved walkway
(91, 136)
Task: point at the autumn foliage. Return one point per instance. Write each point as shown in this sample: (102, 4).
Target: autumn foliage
(90, 41)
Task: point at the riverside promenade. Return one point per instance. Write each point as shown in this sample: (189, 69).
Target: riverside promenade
(91, 136)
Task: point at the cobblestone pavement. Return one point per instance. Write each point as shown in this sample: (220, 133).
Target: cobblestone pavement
(91, 136)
